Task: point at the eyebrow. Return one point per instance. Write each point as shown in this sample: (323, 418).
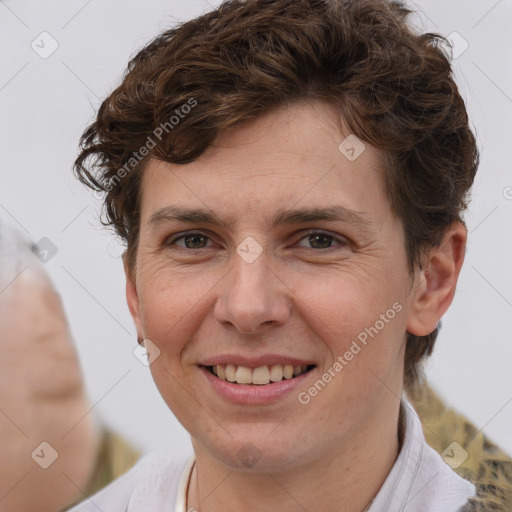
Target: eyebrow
(282, 217)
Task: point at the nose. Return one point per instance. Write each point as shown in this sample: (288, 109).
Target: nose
(253, 297)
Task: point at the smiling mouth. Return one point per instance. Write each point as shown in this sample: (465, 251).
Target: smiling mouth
(258, 376)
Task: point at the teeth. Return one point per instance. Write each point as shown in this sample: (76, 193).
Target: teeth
(230, 372)
(259, 376)
(276, 373)
(243, 375)
(288, 371)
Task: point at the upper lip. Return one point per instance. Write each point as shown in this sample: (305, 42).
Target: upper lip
(255, 362)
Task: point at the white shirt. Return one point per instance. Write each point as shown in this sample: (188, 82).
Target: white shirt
(419, 481)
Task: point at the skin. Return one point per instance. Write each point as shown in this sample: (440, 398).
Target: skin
(41, 391)
(299, 297)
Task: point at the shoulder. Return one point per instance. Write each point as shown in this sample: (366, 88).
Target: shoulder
(420, 480)
(434, 484)
(152, 484)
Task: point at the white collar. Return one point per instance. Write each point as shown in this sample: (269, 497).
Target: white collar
(419, 481)
(181, 499)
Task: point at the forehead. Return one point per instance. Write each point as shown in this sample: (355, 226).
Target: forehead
(300, 155)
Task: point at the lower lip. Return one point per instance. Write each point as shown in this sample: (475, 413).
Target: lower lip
(250, 394)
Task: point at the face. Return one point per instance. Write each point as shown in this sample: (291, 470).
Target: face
(297, 260)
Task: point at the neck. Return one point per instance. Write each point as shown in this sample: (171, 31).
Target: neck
(349, 476)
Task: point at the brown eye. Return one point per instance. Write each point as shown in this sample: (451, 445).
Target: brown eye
(190, 241)
(322, 240)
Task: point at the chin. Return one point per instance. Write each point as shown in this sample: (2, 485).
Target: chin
(256, 452)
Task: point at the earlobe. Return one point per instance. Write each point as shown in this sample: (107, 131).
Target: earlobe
(132, 297)
(435, 284)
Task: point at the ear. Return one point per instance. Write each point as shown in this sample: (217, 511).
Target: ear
(435, 284)
(132, 297)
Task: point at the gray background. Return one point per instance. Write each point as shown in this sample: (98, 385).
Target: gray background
(45, 103)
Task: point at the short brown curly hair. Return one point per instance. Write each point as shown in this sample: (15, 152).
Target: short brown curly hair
(393, 88)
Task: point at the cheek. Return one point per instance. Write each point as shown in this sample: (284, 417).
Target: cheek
(169, 298)
(344, 309)
(185, 403)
